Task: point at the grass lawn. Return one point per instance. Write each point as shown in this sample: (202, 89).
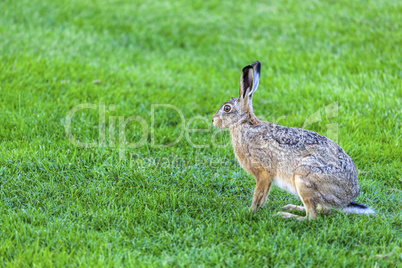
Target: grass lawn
(146, 190)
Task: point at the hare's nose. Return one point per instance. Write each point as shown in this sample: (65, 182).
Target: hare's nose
(213, 117)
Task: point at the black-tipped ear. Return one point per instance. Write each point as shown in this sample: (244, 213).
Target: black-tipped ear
(246, 81)
(249, 80)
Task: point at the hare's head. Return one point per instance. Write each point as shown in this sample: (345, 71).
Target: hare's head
(238, 110)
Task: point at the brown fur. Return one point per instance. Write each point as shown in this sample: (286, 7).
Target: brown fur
(299, 161)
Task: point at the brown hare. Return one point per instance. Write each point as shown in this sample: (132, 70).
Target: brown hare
(298, 161)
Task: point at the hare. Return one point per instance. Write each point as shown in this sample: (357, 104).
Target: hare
(298, 161)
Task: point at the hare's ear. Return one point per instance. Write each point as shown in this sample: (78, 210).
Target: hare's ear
(249, 79)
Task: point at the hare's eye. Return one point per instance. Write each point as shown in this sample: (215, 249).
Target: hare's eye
(227, 108)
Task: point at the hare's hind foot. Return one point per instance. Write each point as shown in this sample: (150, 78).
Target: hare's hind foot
(293, 207)
(287, 215)
(320, 208)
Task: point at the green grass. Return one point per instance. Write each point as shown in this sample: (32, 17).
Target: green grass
(182, 205)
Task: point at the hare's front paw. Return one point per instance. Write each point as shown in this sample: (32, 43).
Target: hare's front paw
(253, 209)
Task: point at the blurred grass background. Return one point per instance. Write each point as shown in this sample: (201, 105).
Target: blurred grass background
(181, 205)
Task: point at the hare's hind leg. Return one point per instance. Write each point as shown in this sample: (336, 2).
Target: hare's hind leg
(306, 194)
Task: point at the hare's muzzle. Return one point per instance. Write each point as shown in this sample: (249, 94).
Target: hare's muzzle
(213, 118)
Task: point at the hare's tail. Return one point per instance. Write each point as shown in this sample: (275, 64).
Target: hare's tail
(357, 208)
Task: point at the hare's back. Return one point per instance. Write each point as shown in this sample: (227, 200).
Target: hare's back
(304, 147)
